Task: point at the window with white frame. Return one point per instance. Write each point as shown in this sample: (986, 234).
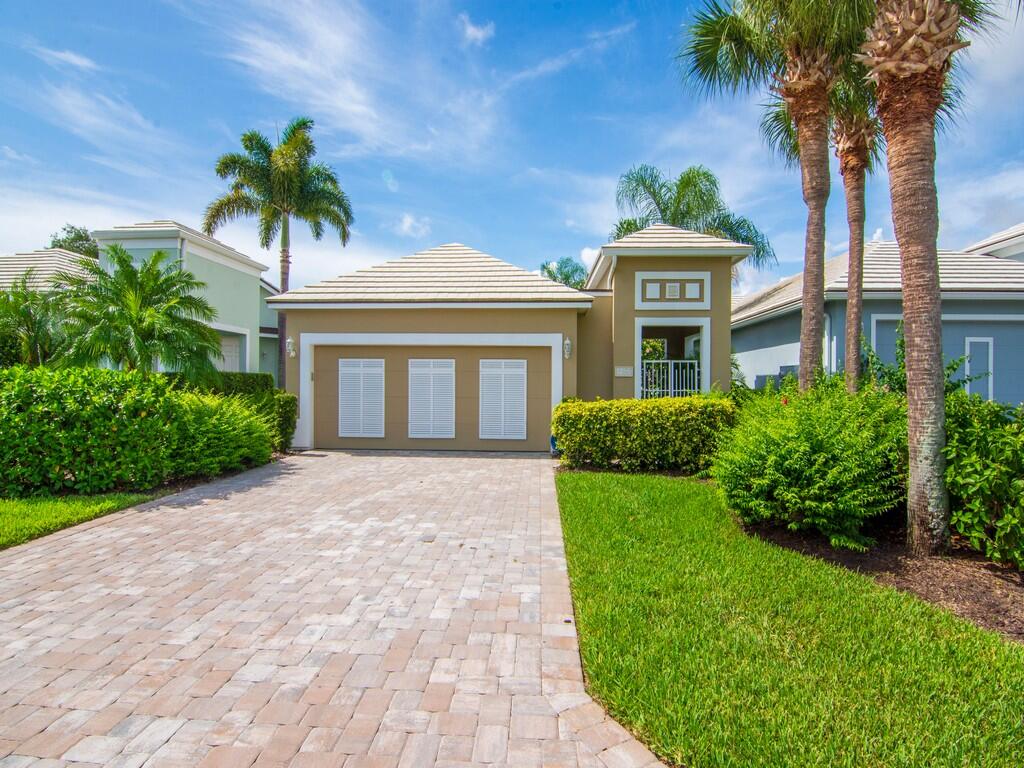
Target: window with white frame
(360, 397)
(980, 358)
(502, 399)
(432, 398)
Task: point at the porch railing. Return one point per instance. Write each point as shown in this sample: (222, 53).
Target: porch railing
(670, 378)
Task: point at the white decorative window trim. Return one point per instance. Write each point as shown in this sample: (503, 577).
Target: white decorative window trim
(643, 301)
(989, 381)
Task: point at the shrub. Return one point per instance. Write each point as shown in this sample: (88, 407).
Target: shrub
(212, 434)
(663, 433)
(91, 430)
(81, 429)
(823, 460)
(279, 410)
(985, 475)
(227, 383)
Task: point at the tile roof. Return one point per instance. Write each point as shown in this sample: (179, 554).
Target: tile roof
(448, 273)
(999, 238)
(659, 236)
(958, 271)
(44, 264)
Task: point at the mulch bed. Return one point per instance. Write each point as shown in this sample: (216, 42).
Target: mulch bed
(990, 595)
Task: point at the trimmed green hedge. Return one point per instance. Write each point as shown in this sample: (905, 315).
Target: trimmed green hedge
(90, 430)
(985, 475)
(228, 383)
(675, 433)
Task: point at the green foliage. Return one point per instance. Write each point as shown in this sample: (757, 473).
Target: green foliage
(227, 383)
(721, 650)
(25, 519)
(213, 434)
(138, 316)
(985, 475)
(823, 460)
(90, 430)
(567, 271)
(30, 324)
(76, 240)
(893, 377)
(693, 200)
(652, 349)
(287, 412)
(676, 433)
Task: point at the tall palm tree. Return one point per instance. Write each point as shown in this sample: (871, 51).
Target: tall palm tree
(31, 319)
(137, 317)
(277, 184)
(692, 200)
(793, 48)
(908, 55)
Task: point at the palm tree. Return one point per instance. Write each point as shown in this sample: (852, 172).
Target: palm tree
(31, 319)
(857, 137)
(908, 55)
(691, 201)
(567, 271)
(277, 184)
(793, 49)
(138, 317)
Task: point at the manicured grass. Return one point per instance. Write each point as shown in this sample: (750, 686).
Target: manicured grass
(24, 519)
(718, 649)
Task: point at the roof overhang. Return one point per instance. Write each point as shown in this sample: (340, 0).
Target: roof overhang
(608, 257)
(283, 302)
(173, 232)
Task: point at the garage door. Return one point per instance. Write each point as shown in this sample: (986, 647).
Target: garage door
(433, 398)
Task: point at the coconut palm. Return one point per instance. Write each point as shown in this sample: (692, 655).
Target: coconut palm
(857, 137)
(30, 319)
(908, 55)
(138, 317)
(276, 185)
(567, 271)
(692, 200)
(793, 48)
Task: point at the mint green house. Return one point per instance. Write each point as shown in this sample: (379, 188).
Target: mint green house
(247, 327)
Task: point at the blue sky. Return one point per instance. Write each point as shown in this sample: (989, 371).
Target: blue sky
(500, 125)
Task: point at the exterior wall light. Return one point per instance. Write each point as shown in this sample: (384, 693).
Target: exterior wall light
(567, 348)
(289, 344)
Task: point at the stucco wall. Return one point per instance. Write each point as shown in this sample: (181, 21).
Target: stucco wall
(594, 368)
(236, 297)
(625, 314)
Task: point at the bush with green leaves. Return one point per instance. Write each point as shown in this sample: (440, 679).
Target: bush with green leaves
(89, 430)
(985, 475)
(823, 460)
(673, 433)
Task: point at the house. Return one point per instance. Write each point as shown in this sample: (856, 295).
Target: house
(982, 317)
(451, 348)
(1008, 243)
(247, 327)
(41, 266)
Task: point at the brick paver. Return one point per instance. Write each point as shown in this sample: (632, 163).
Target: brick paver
(333, 609)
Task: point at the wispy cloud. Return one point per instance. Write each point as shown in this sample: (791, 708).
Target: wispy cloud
(11, 155)
(589, 255)
(63, 58)
(409, 225)
(597, 42)
(474, 34)
(585, 202)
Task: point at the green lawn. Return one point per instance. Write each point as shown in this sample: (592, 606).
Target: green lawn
(24, 519)
(718, 649)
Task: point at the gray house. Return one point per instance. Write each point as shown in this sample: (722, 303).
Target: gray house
(982, 317)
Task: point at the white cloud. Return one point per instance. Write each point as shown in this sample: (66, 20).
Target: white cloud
(389, 181)
(597, 42)
(994, 66)
(475, 34)
(63, 58)
(750, 280)
(877, 236)
(409, 225)
(585, 201)
(588, 256)
(972, 207)
(11, 155)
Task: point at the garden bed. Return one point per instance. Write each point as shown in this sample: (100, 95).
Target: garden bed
(717, 648)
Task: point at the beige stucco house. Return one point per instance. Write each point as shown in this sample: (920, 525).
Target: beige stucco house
(451, 348)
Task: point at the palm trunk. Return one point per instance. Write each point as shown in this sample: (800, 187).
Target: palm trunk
(282, 330)
(810, 115)
(907, 106)
(854, 171)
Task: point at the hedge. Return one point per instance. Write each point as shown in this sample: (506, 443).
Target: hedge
(985, 475)
(671, 433)
(228, 383)
(90, 430)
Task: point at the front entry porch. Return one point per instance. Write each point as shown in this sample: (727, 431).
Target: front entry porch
(673, 357)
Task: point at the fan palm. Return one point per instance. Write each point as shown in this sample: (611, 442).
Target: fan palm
(31, 318)
(908, 55)
(567, 271)
(277, 184)
(692, 201)
(138, 317)
(793, 48)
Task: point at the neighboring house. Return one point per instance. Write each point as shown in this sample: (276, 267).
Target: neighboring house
(233, 287)
(268, 330)
(41, 265)
(451, 348)
(982, 317)
(1009, 244)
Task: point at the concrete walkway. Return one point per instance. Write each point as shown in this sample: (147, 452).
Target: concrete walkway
(330, 610)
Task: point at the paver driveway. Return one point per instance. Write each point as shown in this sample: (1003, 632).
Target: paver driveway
(330, 610)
